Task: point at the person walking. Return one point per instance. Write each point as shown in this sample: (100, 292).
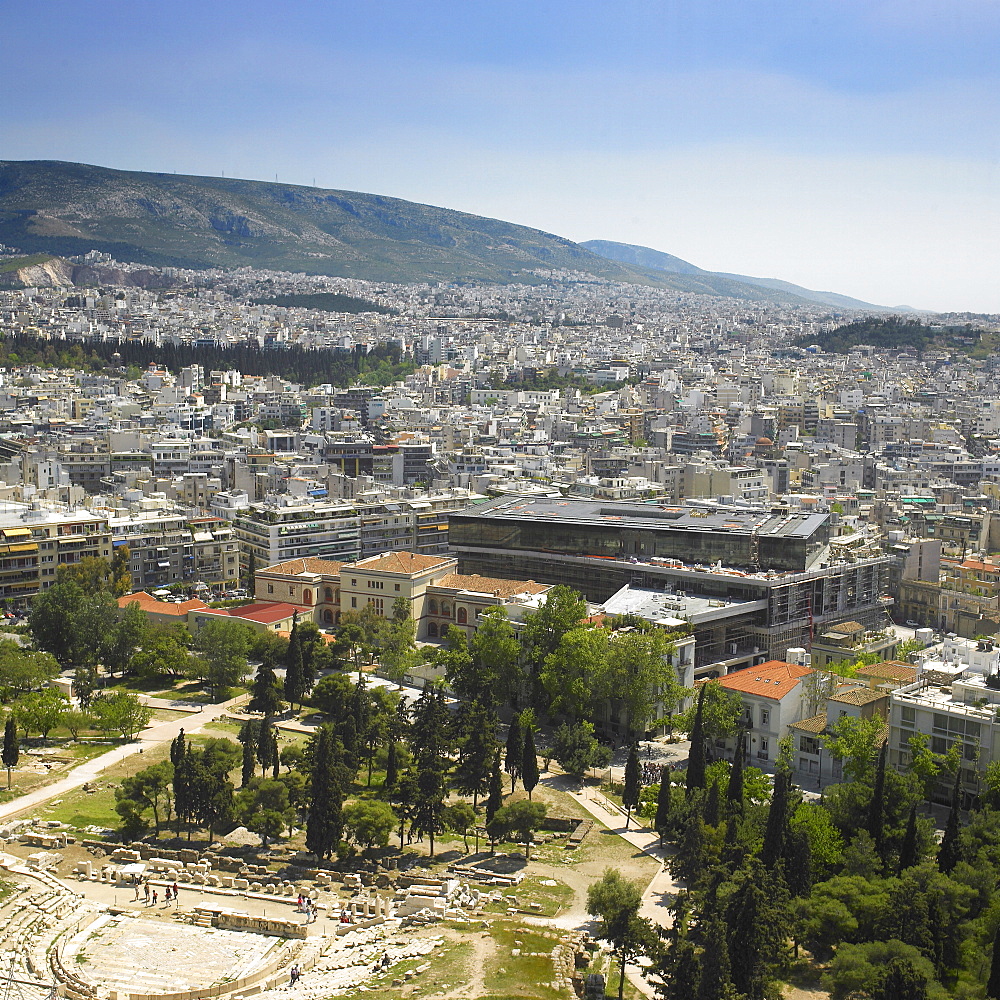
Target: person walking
(145, 886)
(175, 894)
(155, 897)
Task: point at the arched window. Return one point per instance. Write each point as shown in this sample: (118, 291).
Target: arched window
(328, 617)
(446, 609)
(328, 594)
(307, 596)
(462, 616)
(432, 606)
(432, 630)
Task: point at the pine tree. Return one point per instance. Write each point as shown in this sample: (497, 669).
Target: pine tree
(11, 747)
(514, 754)
(696, 757)
(294, 671)
(477, 738)
(949, 853)
(529, 763)
(758, 931)
(392, 765)
(908, 850)
(715, 982)
(662, 820)
(632, 784)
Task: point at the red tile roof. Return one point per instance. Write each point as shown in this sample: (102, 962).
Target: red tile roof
(264, 612)
(772, 680)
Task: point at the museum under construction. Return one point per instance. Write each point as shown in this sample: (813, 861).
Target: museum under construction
(751, 583)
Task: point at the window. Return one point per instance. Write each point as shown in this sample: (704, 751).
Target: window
(270, 588)
(432, 630)
(307, 596)
(354, 602)
(907, 715)
(395, 586)
(432, 606)
(291, 590)
(446, 609)
(328, 593)
(462, 616)
(328, 617)
(765, 717)
(764, 748)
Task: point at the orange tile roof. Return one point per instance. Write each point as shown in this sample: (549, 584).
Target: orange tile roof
(858, 696)
(772, 680)
(402, 562)
(296, 567)
(815, 724)
(149, 603)
(893, 670)
(264, 612)
(491, 585)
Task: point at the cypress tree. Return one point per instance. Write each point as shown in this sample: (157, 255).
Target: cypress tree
(715, 982)
(514, 755)
(712, 811)
(633, 782)
(776, 831)
(696, 758)
(265, 746)
(251, 573)
(993, 983)
(324, 826)
(178, 756)
(876, 809)
(392, 765)
(11, 747)
(734, 790)
(908, 850)
(949, 853)
(294, 671)
(249, 763)
(495, 798)
(529, 763)
(662, 820)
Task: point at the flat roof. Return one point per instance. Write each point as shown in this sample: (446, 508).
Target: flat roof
(676, 609)
(655, 517)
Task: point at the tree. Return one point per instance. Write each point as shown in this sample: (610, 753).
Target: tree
(757, 916)
(397, 643)
(640, 676)
(325, 825)
(617, 901)
(369, 822)
(495, 671)
(95, 574)
(427, 813)
(150, 789)
(950, 851)
(294, 667)
(562, 611)
(71, 624)
(778, 816)
(164, 653)
(529, 761)
(662, 819)
(476, 735)
(633, 782)
(495, 799)
(121, 712)
(734, 790)
(876, 813)
(721, 711)
(23, 670)
(251, 577)
(11, 748)
(332, 696)
(39, 711)
(855, 741)
(568, 673)
(123, 638)
(225, 644)
(514, 750)
(696, 758)
(519, 818)
(266, 696)
(263, 806)
(993, 983)
(576, 749)
(461, 818)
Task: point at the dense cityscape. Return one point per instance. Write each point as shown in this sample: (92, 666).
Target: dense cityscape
(685, 609)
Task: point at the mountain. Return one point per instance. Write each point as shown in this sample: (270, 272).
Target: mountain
(56, 208)
(657, 260)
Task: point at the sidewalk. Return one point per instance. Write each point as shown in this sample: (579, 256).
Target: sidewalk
(160, 732)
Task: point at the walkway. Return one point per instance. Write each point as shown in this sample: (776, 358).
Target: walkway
(159, 732)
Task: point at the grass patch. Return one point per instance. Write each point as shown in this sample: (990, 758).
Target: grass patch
(523, 975)
(450, 964)
(6, 266)
(64, 760)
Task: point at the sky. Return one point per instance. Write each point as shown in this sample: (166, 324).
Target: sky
(845, 146)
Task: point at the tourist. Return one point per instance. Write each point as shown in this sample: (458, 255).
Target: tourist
(155, 897)
(175, 894)
(145, 886)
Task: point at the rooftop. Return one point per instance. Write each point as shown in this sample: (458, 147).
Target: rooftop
(773, 679)
(403, 562)
(495, 586)
(309, 565)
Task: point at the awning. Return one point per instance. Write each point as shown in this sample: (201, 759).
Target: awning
(30, 547)
(119, 541)
(12, 533)
(165, 564)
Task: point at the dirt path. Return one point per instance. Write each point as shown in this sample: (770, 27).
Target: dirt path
(483, 949)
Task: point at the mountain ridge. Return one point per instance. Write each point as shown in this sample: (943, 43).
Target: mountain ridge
(187, 221)
(647, 257)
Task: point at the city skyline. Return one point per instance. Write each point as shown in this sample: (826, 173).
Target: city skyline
(846, 149)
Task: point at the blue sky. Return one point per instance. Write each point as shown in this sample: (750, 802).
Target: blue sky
(842, 145)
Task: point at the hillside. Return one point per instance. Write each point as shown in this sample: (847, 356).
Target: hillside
(57, 208)
(657, 260)
(893, 333)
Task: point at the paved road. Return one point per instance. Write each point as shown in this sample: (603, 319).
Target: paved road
(158, 732)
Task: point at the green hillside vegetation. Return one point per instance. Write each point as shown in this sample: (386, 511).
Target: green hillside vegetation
(381, 366)
(893, 333)
(328, 302)
(16, 263)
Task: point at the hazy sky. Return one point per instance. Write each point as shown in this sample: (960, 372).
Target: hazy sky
(850, 146)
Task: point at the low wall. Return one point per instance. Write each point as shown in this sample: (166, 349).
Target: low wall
(260, 925)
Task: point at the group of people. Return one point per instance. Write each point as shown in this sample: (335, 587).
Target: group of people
(295, 974)
(308, 907)
(152, 897)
